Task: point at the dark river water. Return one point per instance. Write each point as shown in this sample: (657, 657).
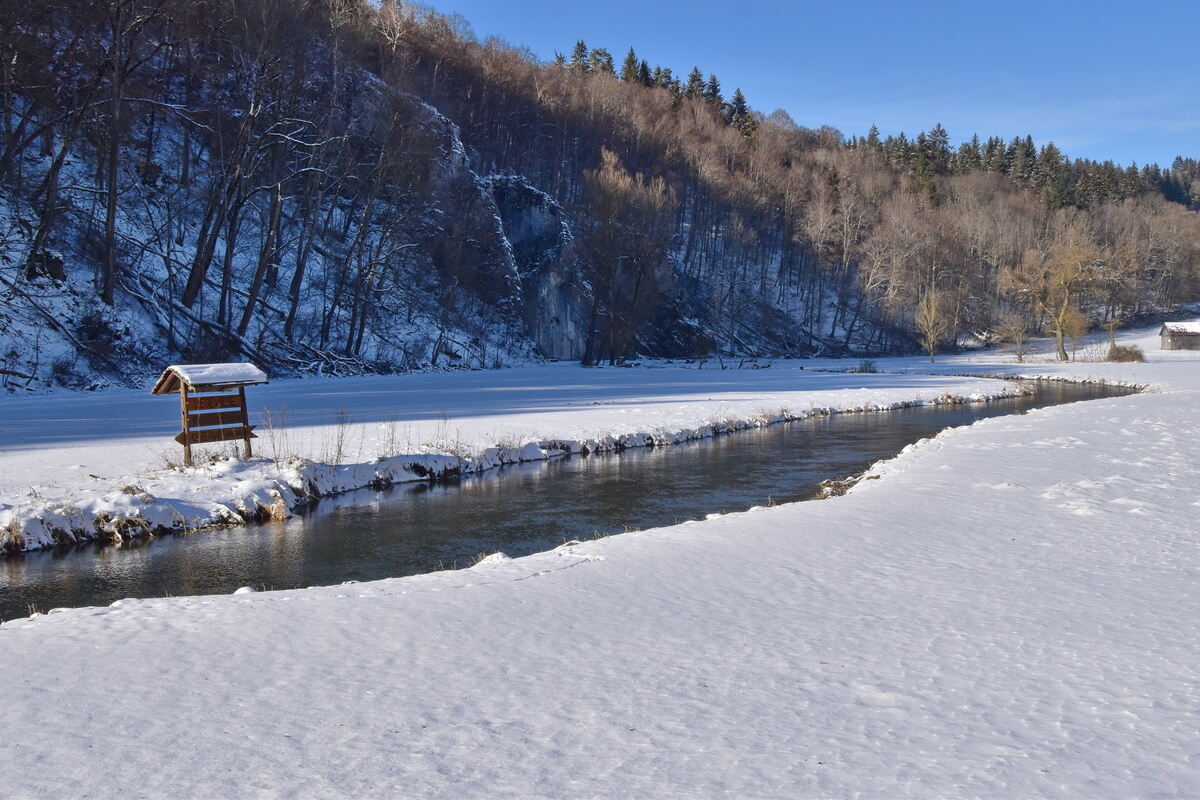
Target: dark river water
(520, 509)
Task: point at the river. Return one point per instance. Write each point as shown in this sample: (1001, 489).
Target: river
(520, 509)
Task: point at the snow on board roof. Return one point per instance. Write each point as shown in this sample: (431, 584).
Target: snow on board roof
(207, 375)
(1181, 327)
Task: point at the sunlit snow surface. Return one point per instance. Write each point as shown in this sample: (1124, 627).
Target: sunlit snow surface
(1009, 611)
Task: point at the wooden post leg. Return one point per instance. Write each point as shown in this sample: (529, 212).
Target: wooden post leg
(247, 453)
(187, 447)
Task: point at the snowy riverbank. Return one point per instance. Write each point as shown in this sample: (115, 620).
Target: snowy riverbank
(1011, 611)
(61, 484)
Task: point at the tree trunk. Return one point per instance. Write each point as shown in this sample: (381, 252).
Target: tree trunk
(308, 228)
(112, 156)
(267, 257)
(225, 306)
(1060, 319)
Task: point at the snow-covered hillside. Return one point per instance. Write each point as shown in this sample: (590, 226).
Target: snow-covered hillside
(354, 187)
(1010, 611)
(372, 288)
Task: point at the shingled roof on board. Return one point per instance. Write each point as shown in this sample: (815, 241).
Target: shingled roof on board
(214, 376)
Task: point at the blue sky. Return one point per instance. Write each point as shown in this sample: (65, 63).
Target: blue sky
(1101, 79)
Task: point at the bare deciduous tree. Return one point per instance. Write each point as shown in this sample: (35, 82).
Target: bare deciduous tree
(931, 321)
(1014, 330)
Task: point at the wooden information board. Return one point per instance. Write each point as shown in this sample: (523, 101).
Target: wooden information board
(221, 426)
(213, 411)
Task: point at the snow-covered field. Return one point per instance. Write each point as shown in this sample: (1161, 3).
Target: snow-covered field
(1011, 610)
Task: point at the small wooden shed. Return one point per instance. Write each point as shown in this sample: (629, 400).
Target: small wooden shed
(1180, 335)
(212, 401)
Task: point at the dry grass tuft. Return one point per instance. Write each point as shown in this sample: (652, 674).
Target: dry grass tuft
(1126, 354)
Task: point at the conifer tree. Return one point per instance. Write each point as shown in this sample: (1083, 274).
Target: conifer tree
(712, 91)
(1106, 185)
(872, 141)
(969, 157)
(737, 114)
(579, 57)
(1019, 158)
(1029, 156)
(736, 107)
(600, 61)
(938, 150)
(920, 168)
(695, 84)
(629, 67)
(994, 154)
(1152, 177)
(1131, 182)
(644, 76)
(1049, 163)
(896, 150)
(1050, 176)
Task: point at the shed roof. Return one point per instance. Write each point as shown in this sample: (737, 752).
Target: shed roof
(1181, 327)
(214, 376)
